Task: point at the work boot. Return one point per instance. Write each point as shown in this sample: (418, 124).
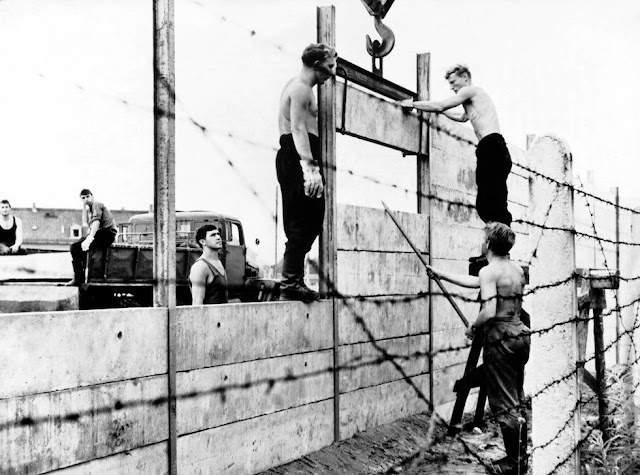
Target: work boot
(515, 445)
(298, 292)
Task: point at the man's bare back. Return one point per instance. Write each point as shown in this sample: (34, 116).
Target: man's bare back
(298, 90)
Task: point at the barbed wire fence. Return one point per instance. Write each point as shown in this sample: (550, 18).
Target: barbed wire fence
(384, 356)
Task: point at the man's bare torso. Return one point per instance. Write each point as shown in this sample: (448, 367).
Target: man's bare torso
(481, 113)
(295, 86)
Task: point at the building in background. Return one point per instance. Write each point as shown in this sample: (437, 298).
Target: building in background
(57, 228)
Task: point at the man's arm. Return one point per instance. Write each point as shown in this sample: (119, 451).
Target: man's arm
(456, 116)
(300, 99)
(469, 281)
(464, 94)
(93, 229)
(198, 279)
(18, 242)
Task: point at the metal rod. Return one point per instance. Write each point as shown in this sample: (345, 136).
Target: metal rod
(426, 264)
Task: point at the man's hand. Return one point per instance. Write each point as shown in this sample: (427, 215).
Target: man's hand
(471, 332)
(86, 244)
(405, 103)
(313, 186)
(13, 249)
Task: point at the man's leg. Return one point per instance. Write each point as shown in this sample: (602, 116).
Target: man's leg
(78, 261)
(503, 362)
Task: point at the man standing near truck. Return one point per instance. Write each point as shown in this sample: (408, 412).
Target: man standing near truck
(298, 167)
(208, 278)
(102, 233)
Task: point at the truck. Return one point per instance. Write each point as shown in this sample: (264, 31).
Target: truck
(124, 276)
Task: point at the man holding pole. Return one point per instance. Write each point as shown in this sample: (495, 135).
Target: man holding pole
(506, 340)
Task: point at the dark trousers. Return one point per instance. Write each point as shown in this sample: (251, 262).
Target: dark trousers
(302, 216)
(102, 240)
(506, 351)
(492, 170)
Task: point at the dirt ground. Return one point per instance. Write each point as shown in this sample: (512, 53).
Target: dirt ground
(399, 448)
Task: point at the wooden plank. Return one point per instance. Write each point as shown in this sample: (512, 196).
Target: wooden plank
(326, 18)
(43, 352)
(370, 229)
(371, 407)
(376, 120)
(202, 406)
(367, 79)
(257, 444)
(212, 335)
(369, 367)
(382, 318)
(327, 248)
(52, 430)
(374, 273)
(150, 459)
(423, 160)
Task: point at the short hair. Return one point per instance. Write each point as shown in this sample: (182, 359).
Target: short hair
(317, 52)
(501, 238)
(85, 192)
(458, 69)
(202, 231)
(5, 202)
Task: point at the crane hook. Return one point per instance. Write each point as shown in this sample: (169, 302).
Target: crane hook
(378, 50)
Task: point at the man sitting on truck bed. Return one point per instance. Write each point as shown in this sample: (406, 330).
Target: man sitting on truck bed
(102, 233)
(207, 278)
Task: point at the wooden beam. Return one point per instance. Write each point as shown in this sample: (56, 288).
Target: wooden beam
(326, 17)
(164, 240)
(423, 177)
(362, 77)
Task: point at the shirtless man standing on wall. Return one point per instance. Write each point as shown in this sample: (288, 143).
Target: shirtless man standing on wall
(298, 168)
(493, 159)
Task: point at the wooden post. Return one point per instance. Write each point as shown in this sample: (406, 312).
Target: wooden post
(598, 303)
(423, 176)
(328, 252)
(618, 316)
(551, 376)
(164, 239)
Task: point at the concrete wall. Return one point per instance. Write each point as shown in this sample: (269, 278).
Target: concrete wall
(86, 392)
(377, 270)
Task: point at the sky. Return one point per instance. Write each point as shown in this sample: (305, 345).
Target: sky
(77, 92)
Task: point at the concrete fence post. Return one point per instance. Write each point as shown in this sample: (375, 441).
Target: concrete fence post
(630, 305)
(551, 377)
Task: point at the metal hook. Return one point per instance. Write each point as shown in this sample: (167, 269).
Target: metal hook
(379, 49)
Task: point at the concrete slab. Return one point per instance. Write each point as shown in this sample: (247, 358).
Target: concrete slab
(37, 298)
